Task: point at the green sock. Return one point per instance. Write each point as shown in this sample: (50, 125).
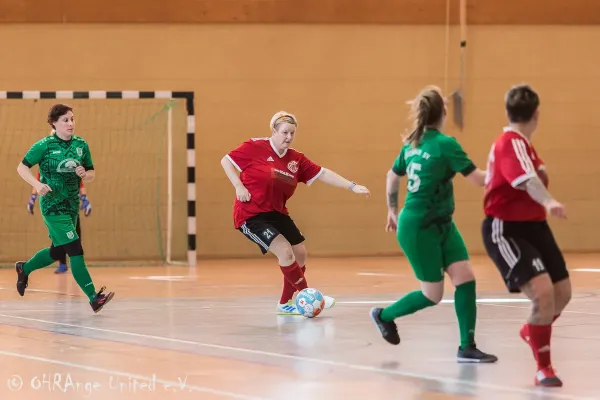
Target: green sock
(41, 259)
(411, 303)
(82, 276)
(466, 312)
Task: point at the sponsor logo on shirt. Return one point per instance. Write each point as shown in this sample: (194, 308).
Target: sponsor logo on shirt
(67, 165)
(283, 176)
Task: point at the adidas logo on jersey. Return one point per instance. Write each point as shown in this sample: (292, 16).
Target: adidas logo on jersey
(270, 158)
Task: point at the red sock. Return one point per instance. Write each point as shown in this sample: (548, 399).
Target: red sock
(539, 339)
(288, 288)
(294, 275)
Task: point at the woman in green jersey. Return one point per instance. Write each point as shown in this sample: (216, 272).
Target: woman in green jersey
(425, 229)
(64, 161)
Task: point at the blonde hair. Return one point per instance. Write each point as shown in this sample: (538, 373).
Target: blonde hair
(282, 117)
(426, 111)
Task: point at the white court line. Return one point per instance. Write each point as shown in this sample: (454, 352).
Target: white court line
(173, 384)
(527, 308)
(340, 364)
(42, 291)
(445, 301)
(586, 269)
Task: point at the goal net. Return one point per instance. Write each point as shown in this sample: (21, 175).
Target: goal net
(139, 198)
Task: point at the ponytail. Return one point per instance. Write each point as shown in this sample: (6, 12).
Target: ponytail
(427, 111)
(421, 118)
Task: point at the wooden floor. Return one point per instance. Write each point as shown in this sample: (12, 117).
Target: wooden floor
(214, 335)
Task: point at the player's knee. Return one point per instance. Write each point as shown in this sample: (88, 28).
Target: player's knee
(562, 294)
(74, 248)
(300, 254)
(57, 253)
(434, 291)
(460, 272)
(541, 293)
(282, 250)
(286, 256)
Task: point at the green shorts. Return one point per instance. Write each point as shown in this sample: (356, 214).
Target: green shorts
(61, 228)
(431, 250)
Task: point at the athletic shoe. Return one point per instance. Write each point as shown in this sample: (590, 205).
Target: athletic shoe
(388, 330)
(22, 279)
(471, 354)
(101, 299)
(547, 377)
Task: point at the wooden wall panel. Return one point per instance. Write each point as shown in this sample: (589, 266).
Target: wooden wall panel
(417, 12)
(347, 85)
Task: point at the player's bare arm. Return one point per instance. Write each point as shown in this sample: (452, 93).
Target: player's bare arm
(477, 177)
(391, 188)
(25, 173)
(331, 178)
(538, 192)
(241, 192)
(86, 176)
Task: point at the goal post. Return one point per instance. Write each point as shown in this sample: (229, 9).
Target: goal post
(143, 147)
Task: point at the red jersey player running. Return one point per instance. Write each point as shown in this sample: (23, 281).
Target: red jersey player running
(270, 170)
(515, 232)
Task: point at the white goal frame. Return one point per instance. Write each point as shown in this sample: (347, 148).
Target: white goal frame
(190, 145)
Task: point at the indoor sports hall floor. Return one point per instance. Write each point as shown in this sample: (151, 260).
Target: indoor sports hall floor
(214, 335)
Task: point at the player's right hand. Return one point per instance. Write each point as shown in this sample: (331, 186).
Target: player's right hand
(556, 209)
(43, 189)
(391, 224)
(242, 193)
(359, 189)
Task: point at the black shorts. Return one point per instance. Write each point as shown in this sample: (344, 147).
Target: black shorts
(263, 228)
(78, 227)
(522, 251)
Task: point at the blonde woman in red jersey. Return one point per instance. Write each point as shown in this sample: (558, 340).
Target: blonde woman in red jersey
(269, 172)
(515, 232)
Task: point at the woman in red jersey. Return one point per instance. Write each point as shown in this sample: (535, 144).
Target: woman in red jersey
(516, 232)
(270, 171)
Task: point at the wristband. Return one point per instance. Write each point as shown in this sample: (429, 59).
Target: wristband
(352, 186)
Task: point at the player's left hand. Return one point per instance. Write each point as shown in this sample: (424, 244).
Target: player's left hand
(86, 207)
(361, 190)
(81, 172)
(391, 224)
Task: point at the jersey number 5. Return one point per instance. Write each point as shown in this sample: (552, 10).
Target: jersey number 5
(413, 178)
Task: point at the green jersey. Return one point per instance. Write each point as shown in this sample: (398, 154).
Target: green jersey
(57, 161)
(430, 168)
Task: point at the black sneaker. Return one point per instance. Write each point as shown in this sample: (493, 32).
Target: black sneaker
(472, 354)
(22, 279)
(101, 299)
(388, 330)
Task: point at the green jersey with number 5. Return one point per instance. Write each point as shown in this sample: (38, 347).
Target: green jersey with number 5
(429, 169)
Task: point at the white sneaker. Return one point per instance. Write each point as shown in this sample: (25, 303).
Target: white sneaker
(329, 301)
(288, 308)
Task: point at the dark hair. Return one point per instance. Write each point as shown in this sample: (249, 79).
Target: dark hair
(521, 103)
(427, 110)
(57, 111)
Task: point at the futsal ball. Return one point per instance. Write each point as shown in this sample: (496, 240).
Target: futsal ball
(310, 302)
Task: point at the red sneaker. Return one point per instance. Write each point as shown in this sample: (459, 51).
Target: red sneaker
(547, 377)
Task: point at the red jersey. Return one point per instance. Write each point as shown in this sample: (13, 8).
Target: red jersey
(270, 178)
(39, 176)
(512, 161)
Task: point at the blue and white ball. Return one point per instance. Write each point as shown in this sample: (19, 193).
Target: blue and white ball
(310, 302)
